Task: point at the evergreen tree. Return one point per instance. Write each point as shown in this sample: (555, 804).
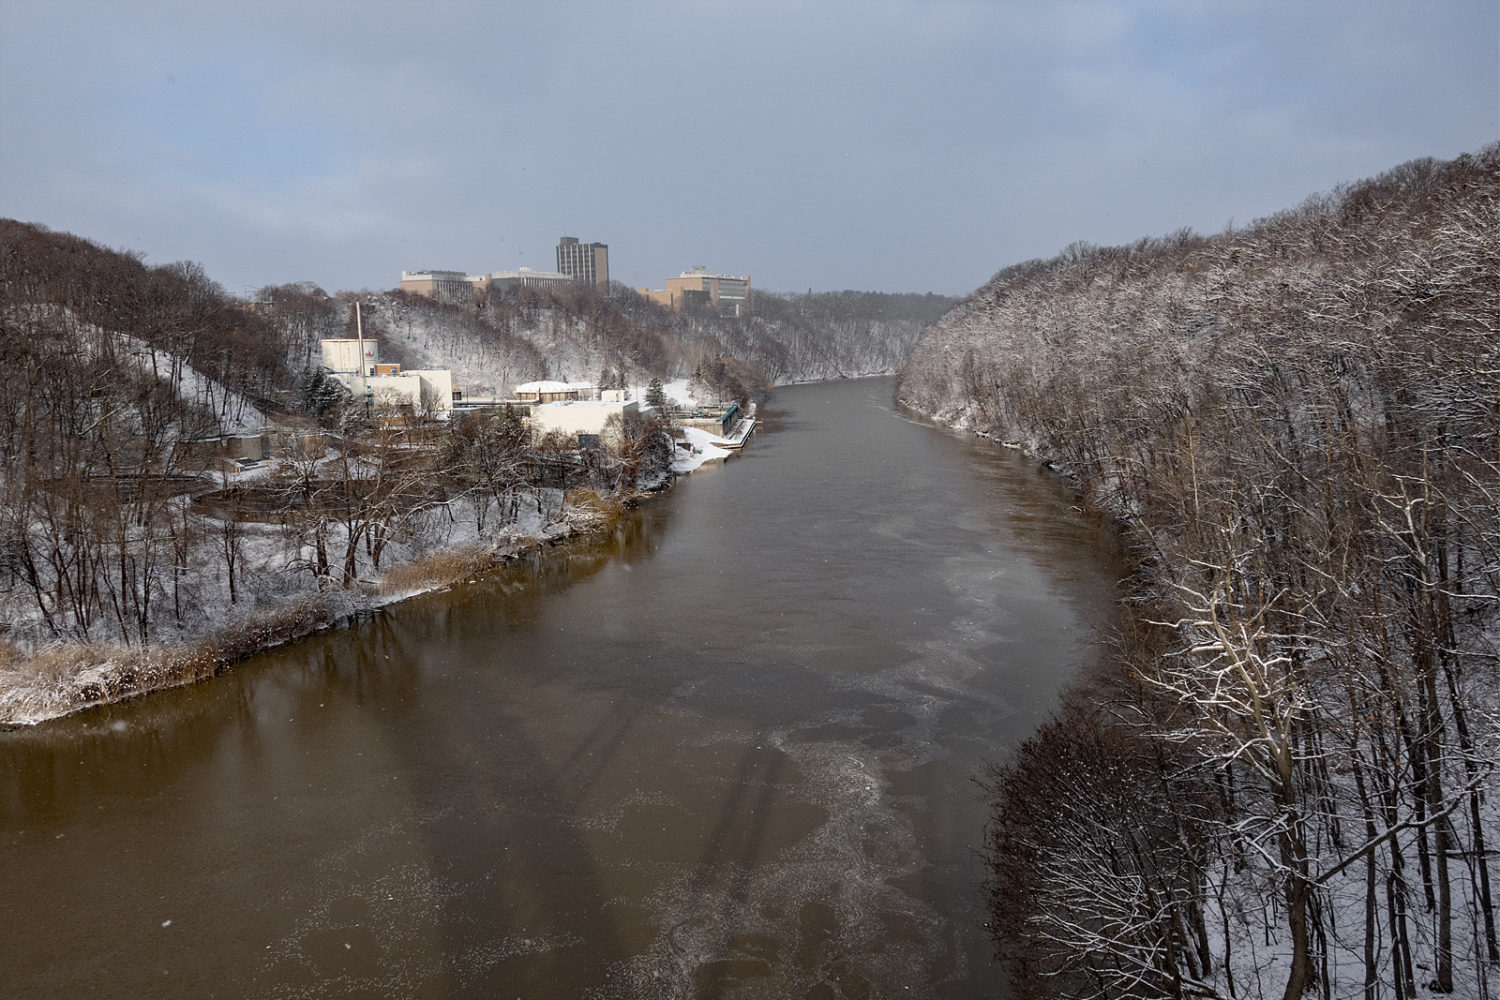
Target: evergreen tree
(320, 394)
(656, 396)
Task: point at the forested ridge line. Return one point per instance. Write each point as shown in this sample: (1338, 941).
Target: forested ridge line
(1280, 780)
(503, 336)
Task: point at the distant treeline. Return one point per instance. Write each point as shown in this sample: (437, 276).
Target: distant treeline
(1280, 781)
(511, 335)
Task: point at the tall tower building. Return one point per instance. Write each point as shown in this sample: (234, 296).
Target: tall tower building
(583, 261)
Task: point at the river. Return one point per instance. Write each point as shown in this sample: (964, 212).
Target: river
(729, 751)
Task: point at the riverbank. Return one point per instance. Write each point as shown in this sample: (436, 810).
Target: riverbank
(65, 677)
(70, 677)
(722, 736)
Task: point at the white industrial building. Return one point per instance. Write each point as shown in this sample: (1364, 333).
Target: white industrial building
(356, 363)
(343, 355)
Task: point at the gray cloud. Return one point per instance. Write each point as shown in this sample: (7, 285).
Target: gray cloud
(900, 146)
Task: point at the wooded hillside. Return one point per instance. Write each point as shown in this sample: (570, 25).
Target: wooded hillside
(1281, 780)
(574, 333)
(137, 551)
(134, 553)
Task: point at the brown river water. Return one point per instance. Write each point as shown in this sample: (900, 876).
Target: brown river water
(730, 751)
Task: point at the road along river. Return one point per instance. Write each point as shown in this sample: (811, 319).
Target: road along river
(728, 751)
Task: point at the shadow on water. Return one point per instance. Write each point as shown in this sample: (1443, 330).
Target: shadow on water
(727, 750)
(95, 807)
(497, 894)
(480, 794)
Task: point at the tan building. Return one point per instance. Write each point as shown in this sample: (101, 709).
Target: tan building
(523, 277)
(439, 284)
(547, 392)
(587, 262)
(727, 294)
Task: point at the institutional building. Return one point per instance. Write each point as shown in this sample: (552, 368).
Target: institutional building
(356, 363)
(458, 286)
(578, 417)
(728, 294)
(523, 277)
(587, 262)
(438, 284)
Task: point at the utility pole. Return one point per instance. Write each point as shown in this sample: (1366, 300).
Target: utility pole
(359, 331)
(364, 372)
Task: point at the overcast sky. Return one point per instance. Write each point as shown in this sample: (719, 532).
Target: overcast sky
(893, 146)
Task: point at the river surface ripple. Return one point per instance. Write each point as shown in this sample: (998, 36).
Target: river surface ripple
(729, 751)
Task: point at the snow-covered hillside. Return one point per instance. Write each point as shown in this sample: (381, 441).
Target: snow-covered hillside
(1280, 779)
(492, 343)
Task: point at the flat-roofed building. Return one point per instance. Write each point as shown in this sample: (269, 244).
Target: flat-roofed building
(727, 294)
(456, 286)
(422, 390)
(586, 262)
(547, 391)
(439, 284)
(523, 277)
(415, 391)
(573, 417)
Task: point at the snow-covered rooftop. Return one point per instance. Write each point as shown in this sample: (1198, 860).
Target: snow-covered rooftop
(585, 403)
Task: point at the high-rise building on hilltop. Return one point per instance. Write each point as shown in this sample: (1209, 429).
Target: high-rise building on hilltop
(583, 261)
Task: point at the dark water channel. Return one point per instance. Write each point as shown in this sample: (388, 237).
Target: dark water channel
(728, 752)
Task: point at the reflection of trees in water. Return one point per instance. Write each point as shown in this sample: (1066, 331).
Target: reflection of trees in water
(488, 830)
(146, 744)
(479, 805)
(518, 587)
(130, 748)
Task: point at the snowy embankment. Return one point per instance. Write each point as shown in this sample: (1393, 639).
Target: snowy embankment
(1295, 726)
(278, 598)
(278, 602)
(703, 449)
(238, 584)
(233, 412)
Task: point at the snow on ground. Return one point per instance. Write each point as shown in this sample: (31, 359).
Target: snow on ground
(680, 391)
(705, 448)
(235, 413)
(274, 575)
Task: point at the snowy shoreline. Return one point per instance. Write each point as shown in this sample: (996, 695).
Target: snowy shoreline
(73, 677)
